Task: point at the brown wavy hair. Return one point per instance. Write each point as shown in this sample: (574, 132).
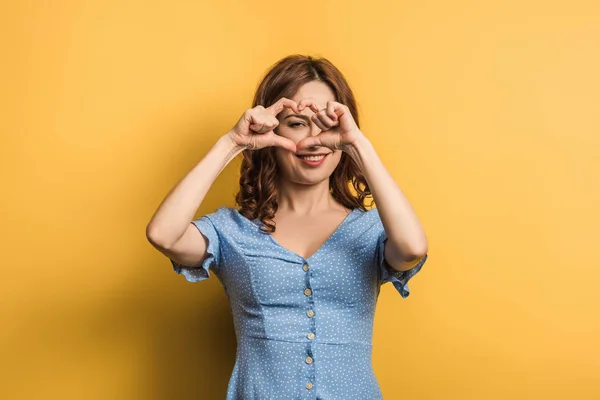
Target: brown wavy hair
(257, 196)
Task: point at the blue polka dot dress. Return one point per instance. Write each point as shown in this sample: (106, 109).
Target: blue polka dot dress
(304, 325)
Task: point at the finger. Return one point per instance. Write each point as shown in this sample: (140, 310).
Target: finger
(282, 103)
(280, 141)
(261, 127)
(308, 102)
(311, 141)
(262, 124)
(257, 126)
(324, 118)
(325, 139)
(331, 107)
(315, 118)
(255, 122)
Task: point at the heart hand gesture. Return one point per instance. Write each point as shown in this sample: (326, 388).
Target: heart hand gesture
(338, 128)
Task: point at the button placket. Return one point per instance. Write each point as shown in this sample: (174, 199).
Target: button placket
(309, 359)
(310, 313)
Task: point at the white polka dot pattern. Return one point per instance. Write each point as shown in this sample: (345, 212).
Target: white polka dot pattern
(304, 325)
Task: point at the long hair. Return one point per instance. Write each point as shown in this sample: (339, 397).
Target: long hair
(257, 196)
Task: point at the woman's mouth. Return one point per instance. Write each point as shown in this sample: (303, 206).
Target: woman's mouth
(314, 160)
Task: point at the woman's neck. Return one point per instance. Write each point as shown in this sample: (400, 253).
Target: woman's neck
(305, 199)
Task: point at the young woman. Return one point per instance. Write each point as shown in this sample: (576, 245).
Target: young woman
(302, 259)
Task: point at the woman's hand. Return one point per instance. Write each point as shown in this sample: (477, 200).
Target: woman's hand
(338, 129)
(254, 130)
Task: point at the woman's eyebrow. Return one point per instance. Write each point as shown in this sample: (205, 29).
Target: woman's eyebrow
(304, 117)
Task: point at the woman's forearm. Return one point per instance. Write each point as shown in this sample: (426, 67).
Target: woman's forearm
(178, 208)
(407, 241)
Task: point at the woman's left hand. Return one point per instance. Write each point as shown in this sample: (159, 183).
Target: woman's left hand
(338, 128)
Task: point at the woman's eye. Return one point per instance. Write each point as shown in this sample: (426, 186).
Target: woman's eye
(295, 124)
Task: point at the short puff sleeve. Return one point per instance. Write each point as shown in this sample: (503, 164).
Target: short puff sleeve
(387, 274)
(195, 274)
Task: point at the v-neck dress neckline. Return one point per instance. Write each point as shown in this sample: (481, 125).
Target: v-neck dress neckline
(306, 259)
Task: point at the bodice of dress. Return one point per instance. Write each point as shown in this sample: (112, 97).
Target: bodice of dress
(304, 325)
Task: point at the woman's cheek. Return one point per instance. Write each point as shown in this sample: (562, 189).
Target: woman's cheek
(295, 136)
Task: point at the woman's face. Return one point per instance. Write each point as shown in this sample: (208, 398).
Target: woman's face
(297, 167)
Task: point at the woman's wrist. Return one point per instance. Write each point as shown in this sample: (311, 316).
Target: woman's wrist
(228, 140)
(227, 144)
(359, 149)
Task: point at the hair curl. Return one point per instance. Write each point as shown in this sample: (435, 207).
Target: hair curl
(257, 195)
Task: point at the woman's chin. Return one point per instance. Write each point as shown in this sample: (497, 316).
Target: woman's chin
(311, 179)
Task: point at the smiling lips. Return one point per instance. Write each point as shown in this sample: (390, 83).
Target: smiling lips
(313, 160)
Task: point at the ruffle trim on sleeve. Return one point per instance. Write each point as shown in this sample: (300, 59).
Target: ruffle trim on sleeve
(400, 278)
(201, 272)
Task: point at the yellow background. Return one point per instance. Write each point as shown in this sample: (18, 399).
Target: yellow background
(486, 113)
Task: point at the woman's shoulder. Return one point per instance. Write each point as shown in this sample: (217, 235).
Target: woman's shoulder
(227, 217)
(371, 214)
(366, 219)
(223, 212)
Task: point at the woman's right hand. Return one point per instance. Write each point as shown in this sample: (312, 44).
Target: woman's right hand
(255, 128)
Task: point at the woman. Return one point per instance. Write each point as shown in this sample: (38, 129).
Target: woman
(302, 260)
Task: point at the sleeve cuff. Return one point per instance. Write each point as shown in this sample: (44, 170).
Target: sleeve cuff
(398, 278)
(201, 272)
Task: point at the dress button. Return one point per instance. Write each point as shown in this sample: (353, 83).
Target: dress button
(307, 291)
(309, 360)
(310, 313)
(305, 267)
(311, 336)
(309, 385)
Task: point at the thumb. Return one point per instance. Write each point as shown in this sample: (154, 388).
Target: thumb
(324, 139)
(280, 141)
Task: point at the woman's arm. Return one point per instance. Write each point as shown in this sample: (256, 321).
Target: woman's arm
(407, 243)
(177, 210)
(254, 130)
